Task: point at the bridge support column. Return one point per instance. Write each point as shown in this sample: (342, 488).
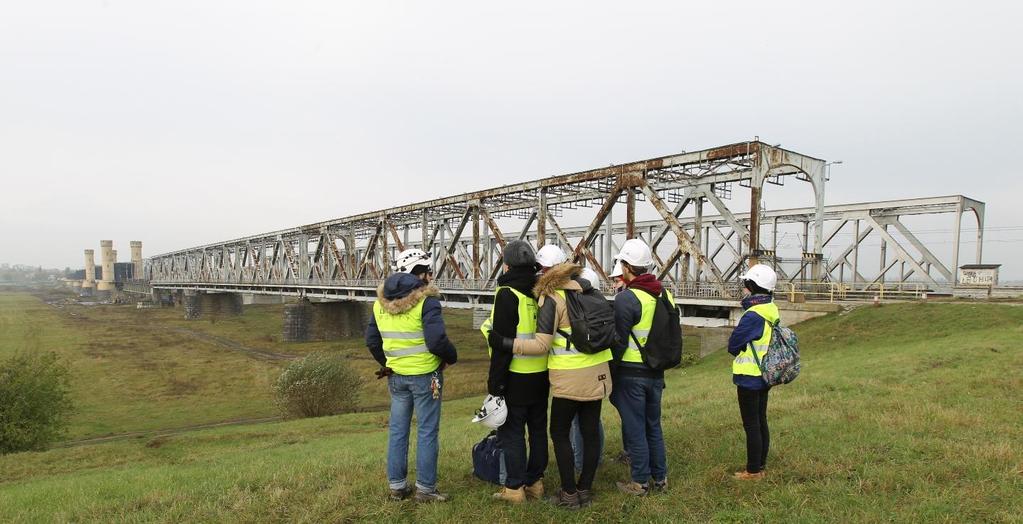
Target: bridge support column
(337, 320)
(192, 302)
(222, 304)
(479, 316)
(297, 318)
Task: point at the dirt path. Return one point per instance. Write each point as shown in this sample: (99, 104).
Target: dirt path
(156, 433)
(227, 343)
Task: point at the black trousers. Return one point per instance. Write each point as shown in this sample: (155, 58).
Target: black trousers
(753, 408)
(562, 413)
(521, 469)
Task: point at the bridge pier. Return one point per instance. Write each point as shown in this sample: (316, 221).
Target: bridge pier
(306, 321)
(199, 304)
(191, 301)
(296, 321)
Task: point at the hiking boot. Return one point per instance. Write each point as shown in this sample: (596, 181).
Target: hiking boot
(401, 494)
(633, 488)
(515, 496)
(566, 501)
(746, 475)
(431, 496)
(585, 497)
(660, 485)
(535, 490)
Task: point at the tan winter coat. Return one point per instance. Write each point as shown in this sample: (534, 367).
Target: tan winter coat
(590, 383)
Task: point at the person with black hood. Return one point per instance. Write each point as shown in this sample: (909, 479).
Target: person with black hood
(406, 335)
(520, 379)
(579, 381)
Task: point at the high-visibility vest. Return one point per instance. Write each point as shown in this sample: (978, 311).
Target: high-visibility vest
(641, 331)
(404, 341)
(744, 364)
(563, 357)
(526, 329)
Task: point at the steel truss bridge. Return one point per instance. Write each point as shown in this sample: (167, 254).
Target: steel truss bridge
(700, 244)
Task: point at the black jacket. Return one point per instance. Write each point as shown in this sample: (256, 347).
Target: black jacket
(516, 388)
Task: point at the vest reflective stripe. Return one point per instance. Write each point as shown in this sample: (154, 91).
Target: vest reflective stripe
(641, 334)
(401, 335)
(526, 330)
(414, 350)
(563, 357)
(744, 363)
(642, 328)
(404, 342)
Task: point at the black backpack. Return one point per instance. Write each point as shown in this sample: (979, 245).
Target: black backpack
(663, 349)
(592, 318)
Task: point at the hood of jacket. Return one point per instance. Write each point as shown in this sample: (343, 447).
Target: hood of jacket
(646, 282)
(561, 276)
(402, 291)
(522, 279)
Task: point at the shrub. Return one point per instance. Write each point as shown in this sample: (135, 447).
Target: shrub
(35, 401)
(320, 384)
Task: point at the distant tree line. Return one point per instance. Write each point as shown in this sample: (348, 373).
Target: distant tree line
(20, 273)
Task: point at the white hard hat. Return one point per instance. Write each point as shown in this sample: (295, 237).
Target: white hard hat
(550, 256)
(492, 413)
(636, 253)
(762, 276)
(410, 258)
(591, 276)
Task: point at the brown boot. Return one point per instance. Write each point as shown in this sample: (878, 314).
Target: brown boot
(535, 490)
(566, 501)
(746, 475)
(585, 497)
(515, 496)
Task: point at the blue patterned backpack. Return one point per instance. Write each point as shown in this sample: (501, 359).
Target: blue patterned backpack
(781, 363)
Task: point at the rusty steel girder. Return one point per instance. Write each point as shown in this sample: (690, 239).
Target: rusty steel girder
(360, 246)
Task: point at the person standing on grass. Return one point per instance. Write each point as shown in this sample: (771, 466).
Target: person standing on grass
(521, 379)
(638, 387)
(406, 335)
(579, 382)
(753, 333)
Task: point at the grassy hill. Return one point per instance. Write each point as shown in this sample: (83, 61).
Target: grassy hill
(905, 412)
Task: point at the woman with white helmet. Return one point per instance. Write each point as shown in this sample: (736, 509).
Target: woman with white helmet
(753, 334)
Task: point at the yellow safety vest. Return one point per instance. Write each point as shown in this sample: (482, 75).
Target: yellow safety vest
(564, 358)
(404, 341)
(744, 364)
(642, 328)
(526, 329)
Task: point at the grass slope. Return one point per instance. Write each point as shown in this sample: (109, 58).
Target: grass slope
(129, 373)
(903, 413)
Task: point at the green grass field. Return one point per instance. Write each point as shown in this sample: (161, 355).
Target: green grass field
(905, 413)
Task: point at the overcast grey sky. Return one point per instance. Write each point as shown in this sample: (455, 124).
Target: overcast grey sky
(181, 123)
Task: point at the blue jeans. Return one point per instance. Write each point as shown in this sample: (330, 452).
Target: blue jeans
(408, 393)
(577, 443)
(638, 400)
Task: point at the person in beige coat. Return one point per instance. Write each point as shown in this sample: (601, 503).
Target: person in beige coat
(579, 381)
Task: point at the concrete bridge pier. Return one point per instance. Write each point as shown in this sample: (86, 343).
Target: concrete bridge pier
(337, 320)
(305, 321)
(199, 304)
(191, 301)
(297, 319)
